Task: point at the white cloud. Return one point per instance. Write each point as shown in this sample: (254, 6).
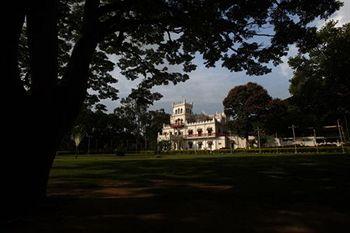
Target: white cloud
(208, 87)
(342, 16)
(284, 68)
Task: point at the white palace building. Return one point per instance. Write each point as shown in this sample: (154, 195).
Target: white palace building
(188, 131)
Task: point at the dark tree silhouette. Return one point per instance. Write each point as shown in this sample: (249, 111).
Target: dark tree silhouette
(321, 85)
(245, 105)
(45, 80)
(277, 118)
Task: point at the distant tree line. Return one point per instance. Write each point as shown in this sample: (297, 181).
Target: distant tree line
(131, 127)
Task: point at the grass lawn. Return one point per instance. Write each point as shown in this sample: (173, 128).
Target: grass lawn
(192, 193)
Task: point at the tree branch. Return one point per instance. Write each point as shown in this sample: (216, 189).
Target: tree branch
(260, 34)
(171, 16)
(73, 87)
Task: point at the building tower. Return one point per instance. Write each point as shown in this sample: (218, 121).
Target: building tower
(181, 113)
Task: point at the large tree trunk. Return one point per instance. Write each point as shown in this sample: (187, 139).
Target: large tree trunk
(36, 121)
(13, 96)
(29, 151)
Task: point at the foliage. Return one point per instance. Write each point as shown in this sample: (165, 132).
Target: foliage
(129, 128)
(320, 85)
(266, 151)
(140, 122)
(280, 115)
(154, 125)
(275, 119)
(142, 38)
(164, 146)
(245, 105)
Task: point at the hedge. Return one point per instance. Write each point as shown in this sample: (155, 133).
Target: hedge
(270, 150)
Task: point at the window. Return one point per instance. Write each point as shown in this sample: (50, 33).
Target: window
(199, 131)
(200, 145)
(210, 130)
(190, 145)
(210, 144)
(180, 110)
(190, 132)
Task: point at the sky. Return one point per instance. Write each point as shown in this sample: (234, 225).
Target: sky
(207, 88)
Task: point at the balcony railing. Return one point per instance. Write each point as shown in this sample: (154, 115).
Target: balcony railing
(205, 135)
(177, 126)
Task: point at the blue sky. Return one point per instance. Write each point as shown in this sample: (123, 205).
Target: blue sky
(207, 88)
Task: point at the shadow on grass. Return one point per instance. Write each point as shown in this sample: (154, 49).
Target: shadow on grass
(234, 194)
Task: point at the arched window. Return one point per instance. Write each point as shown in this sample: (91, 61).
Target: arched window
(200, 145)
(190, 132)
(210, 144)
(209, 130)
(199, 131)
(190, 145)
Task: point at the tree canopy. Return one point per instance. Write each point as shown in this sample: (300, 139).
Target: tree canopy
(245, 105)
(321, 85)
(142, 38)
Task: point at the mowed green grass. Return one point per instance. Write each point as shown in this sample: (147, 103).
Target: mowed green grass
(193, 193)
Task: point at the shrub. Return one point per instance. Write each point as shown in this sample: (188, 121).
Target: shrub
(266, 150)
(120, 151)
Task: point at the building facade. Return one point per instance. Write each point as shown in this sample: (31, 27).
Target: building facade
(188, 131)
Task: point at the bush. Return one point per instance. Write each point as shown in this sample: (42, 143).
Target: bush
(120, 151)
(64, 152)
(268, 150)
